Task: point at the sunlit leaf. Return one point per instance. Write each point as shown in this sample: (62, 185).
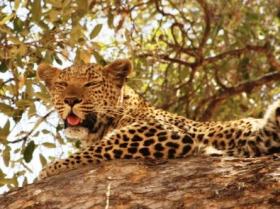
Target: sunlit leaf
(6, 109)
(22, 50)
(54, 15)
(56, 4)
(76, 33)
(43, 160)
(6, 18)
(110, 20)
(17, 3)
(36, 10)
(59, 138)
(4, 132)
(99, 58)
(22, 104)
(2, 175)
(21, 81)
(49, 145)
(82, 6)
(96, 30)
(7, 181)
(7, 155)
(32, 110)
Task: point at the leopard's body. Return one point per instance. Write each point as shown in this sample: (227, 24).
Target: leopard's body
(113, 122)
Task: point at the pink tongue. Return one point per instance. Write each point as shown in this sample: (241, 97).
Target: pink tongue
(73, 120)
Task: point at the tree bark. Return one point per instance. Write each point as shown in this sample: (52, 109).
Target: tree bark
(194, 182)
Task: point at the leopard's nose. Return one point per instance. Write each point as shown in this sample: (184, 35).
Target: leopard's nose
(71, 101)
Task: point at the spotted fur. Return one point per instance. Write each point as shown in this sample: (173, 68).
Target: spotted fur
(116, 123)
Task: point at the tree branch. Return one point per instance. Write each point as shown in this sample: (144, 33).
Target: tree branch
(207, 21)
(37, 124)
(195, 182)
(167, 58)
(237, 52)
(231, 91)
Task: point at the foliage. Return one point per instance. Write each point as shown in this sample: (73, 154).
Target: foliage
(207, 60)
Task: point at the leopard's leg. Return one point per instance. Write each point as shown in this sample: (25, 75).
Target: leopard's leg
(145, 140)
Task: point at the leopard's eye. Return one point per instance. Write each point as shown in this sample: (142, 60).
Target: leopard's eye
(61, 84)
(92, 84)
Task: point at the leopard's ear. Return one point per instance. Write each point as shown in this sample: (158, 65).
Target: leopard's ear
(119, 69)
(47, 74)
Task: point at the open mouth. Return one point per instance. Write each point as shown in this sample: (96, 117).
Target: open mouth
(73, 120)
(90, 121)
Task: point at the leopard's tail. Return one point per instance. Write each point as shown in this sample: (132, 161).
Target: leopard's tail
(270, 133)
(265, 138)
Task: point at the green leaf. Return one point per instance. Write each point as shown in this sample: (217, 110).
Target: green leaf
(54, 15)
(28, 151)
(59, 138)
(18, 24)
(82, 7)
(3, 67)
(110, 20)
(7, 155)
(32, 110)
(4, 132)
(24, 103)
(6, 109)
(42, 160)
(45, 131)
(49, 145)
(16, 5)
(21, 173)
(18, 114)
(96, 30)
(36, 10)
(76, 33)
(6, 18)
(99, 58)
(57, 59)
(2, 175)
(7, 181)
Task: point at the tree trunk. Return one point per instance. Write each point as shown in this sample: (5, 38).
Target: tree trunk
(194, 182)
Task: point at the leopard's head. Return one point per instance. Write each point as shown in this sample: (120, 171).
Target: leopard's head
(86, 96)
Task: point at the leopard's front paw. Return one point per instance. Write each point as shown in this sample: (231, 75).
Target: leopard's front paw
(48, 171)
(43, 174)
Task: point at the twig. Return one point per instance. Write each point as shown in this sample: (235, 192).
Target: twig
(29, 133)
(167, 58)
(236, 53)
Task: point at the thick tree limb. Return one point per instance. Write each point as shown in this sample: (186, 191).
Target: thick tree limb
(194, 182)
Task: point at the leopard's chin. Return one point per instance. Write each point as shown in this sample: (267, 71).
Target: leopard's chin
(76, 132)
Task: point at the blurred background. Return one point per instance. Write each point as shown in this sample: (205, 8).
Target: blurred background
(203, 59)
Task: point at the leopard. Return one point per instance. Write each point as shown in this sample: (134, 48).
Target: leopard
(112, 121)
